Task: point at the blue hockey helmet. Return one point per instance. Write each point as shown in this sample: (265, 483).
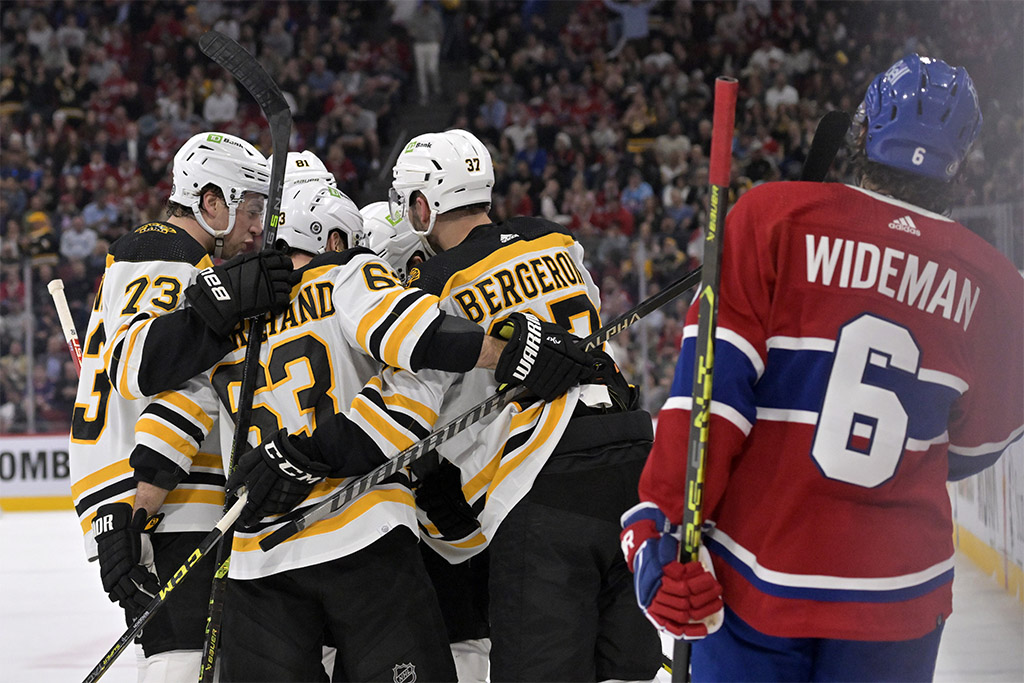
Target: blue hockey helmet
(921, 116)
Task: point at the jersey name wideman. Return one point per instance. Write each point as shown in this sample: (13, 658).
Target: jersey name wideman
(867, 266)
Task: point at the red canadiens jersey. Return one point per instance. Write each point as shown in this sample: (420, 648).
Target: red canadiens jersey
(867, 351)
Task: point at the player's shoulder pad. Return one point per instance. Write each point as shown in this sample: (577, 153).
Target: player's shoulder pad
(483, 241)
(158, 242)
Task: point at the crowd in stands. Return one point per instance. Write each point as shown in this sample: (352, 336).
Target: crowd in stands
(598, 115)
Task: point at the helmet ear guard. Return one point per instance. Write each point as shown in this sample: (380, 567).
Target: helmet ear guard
(392, 240)
(311, 211)
(922, 116)
(451, 169)
(229, 163)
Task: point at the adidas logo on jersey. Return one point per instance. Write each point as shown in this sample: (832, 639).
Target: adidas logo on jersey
(905, 224)
(508, 237)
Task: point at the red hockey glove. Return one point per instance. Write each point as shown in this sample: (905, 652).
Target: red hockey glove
(684, 600)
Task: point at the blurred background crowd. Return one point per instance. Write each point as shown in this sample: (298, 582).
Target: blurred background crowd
(598, 115)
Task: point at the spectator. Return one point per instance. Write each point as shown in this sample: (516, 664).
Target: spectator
(427, 28)
(636, 193)
(493, 112)
(78, 242)
(221, 105)
(780, 93)
(102, 212)
(534, 156)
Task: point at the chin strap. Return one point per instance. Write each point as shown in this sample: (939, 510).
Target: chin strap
(218, 235)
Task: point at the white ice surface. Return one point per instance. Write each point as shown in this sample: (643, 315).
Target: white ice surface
(55, 621)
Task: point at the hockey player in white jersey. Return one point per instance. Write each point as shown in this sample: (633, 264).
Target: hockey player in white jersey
(357, 575)
(547, 480)
(146, 483)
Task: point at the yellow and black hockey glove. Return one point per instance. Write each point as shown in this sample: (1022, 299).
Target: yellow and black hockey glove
(541, 356)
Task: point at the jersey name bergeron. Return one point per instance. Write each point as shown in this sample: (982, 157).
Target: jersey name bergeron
(509, 286)
(893, 273)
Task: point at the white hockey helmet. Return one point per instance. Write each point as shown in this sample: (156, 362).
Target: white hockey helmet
(304, 167)
(452, 169)
(311, 211)
(223, 160)
(393, 240)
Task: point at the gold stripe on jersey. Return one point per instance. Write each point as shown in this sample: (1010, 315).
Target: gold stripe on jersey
(473, 541)
(115, 470)
(167, 435)
(189, 408)
(86, 521)
(381, 425)
(244, 543)
(393, 399)
(371, 319)
(184, 494)
(507, 255)
(539, 437)
(211, 461)
(309, 275)
(400, 331)
(486, 474)
(127, 349)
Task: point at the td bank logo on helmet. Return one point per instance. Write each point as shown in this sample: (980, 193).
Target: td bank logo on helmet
(415, 144)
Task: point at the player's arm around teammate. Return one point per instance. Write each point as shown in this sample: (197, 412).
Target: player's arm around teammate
(161, 316)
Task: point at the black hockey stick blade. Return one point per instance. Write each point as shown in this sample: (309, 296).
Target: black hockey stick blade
(246, 69)
(828, 138)
(205, 546)
(254, 78)
(360, 485)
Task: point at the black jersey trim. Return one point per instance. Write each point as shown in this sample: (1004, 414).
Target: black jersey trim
(407, 422)
(106, 493)
(481, 242)
(158, 241)
(405, 302)
(180, 422)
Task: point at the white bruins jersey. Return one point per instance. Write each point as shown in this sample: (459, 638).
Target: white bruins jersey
(521, 265)
(348, 314)
(145, 278)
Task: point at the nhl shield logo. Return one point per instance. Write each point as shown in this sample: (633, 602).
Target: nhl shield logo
(405, 673)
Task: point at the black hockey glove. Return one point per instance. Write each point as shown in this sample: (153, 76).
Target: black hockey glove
(246, 286)
(624, 395)
(277, 475)
(439, 495)
(126, 554)
(541, 356)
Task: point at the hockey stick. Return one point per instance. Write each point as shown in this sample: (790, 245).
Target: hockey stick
(208, 542)
(700, 415)
(360, 485)
(828, 138)
(67, 324)
(244, 67)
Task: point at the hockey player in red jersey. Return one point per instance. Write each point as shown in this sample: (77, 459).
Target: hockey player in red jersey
(868, 349)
